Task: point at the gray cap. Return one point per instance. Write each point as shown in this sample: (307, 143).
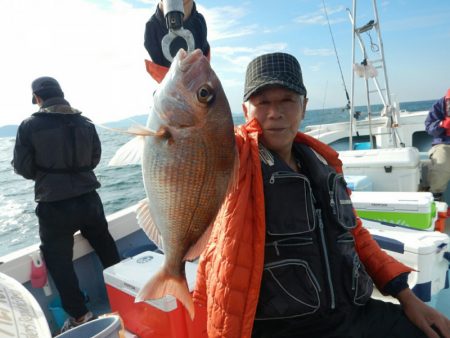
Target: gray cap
(275, 69)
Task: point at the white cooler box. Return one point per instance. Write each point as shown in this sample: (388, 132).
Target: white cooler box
(409, 209)
(161, 318)
(421, 250)
(394, 169)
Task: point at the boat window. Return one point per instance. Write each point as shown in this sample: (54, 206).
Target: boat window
(342, 143)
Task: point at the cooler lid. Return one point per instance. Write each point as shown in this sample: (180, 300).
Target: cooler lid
(419, 202)
(399, 239)
(131, 274)
(395, 157)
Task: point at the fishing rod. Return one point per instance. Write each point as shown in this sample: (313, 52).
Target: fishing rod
(347, 107)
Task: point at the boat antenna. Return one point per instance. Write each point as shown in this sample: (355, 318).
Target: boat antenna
(337, 56)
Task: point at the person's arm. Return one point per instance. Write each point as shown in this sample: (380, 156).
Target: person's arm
(155, 30)
(430, 321)
(96, 150)
(202, 32)
(434, 119)
(23, 158)
(396, 285)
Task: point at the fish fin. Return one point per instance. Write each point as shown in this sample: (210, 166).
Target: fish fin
(136, 130)
(140, 130)
(129, 153)
(145, 221)
(196, 250)
(162, 284)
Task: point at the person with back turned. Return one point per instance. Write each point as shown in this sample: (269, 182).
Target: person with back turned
(437, 124)
(58, 148)
(287, 255)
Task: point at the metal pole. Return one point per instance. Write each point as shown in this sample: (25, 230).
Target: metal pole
(377, 26)
(352, 104)
(393, 115)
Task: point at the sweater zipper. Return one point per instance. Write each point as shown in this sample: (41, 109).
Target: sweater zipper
(327, 262)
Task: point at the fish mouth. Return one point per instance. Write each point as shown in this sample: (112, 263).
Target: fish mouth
(186, 60)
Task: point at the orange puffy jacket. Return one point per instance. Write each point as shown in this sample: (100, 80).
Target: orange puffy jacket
(230, 268)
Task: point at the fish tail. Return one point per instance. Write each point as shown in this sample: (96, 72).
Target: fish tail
(162, 284)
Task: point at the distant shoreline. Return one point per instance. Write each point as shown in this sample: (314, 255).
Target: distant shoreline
(11, 130)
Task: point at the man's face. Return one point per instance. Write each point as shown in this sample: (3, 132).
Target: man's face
(279, 111)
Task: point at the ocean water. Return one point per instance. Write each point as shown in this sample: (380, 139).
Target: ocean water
(121, 186)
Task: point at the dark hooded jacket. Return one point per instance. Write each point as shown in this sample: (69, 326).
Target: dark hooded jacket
(58, 148)
(433, 120)
(156, 29)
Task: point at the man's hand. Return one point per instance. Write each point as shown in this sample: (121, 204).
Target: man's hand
(431, 322)
(446, 124)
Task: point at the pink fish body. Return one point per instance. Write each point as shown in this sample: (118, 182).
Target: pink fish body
(187, 166)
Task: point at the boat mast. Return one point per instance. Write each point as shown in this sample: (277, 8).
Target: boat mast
(369, 69)
(380, 41)
(391, 111)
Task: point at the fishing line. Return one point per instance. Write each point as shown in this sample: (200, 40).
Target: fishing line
(337, 57)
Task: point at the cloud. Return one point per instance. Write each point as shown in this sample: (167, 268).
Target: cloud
(318, 52)
(319, 18)
(237, 58)
(316, 67)
(224, 22)
(151, 3)
(418, 23)
(95, 50)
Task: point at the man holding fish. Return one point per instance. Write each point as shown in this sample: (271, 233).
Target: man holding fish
(287, 256)
(282, 251)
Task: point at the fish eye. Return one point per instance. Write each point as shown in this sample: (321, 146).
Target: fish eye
(205, 94)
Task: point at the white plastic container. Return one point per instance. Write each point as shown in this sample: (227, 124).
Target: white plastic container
(358, 183)
(131, 274)
(420, 250)
(164, 317)
(395, 169)
(410, 209)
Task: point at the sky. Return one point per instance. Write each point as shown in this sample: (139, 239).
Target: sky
(94, 48)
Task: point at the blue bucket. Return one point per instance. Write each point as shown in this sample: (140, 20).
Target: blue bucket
(107, 327)
(58, 313)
